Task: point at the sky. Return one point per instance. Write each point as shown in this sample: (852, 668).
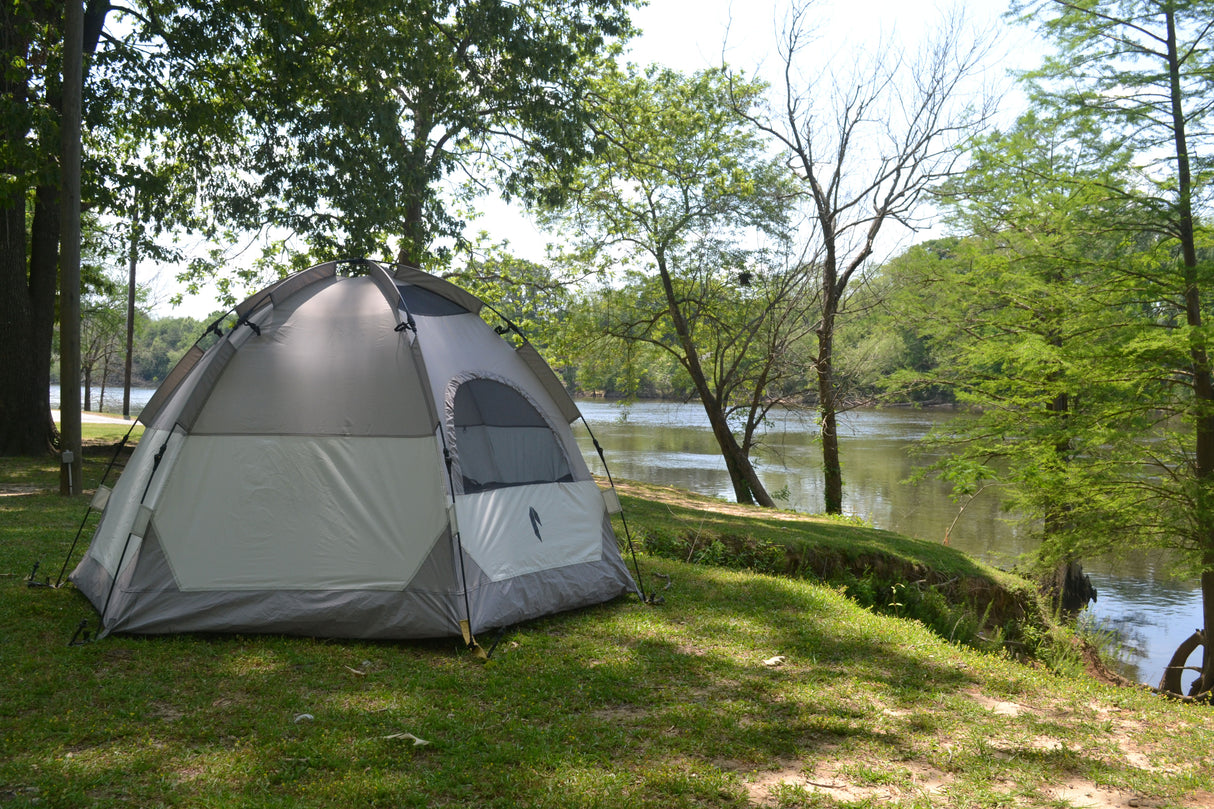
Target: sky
(690, 36)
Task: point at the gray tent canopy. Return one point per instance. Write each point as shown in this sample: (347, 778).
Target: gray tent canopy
(361, 456)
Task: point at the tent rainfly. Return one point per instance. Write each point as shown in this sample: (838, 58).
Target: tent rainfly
(360, 456)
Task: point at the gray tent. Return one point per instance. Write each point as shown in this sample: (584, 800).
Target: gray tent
(360, 456)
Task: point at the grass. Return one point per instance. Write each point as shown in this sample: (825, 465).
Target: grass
(623, 705)
(957, 596)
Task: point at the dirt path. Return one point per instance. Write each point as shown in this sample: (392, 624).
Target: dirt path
(686, 499)
(95, 418)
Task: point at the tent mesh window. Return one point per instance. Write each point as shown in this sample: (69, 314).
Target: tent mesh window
(502, 439)
(421, 301)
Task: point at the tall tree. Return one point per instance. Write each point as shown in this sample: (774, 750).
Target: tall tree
(1143, 70)
(31, 38)
(343, 124)
(866, 144)
(1025, 323)
(351, 124)
(677, 181)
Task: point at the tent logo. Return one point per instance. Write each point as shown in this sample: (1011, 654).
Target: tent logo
(535, 524)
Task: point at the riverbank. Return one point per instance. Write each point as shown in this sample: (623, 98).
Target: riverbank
(739, 690)
(1142, 608)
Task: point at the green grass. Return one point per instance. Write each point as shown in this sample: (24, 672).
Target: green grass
(623, 705)
(960, 598)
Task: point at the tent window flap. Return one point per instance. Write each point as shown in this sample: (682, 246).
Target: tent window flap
(503, 440)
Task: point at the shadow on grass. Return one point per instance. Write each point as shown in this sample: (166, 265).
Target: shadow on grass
(619, 705)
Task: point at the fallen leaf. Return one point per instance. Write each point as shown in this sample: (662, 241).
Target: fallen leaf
(416, 741)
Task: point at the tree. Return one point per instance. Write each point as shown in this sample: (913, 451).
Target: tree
(354, 148)
(341, 124)
(885, 354)
(530, 295)
(162, 342)
(101, 338)
(31, 37)
(1025, 324)
(1143, 71)
(888, 130)
(601, 361)
(677, 181)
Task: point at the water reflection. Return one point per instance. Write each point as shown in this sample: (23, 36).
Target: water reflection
(671, 444)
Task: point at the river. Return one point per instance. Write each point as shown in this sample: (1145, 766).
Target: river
(671, 444)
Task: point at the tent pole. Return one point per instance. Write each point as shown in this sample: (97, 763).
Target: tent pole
(89, 510)
(410, 324)
(623, 519)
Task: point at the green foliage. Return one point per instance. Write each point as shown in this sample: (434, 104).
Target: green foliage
(678, 185)
(883, 353)
(734, 551)
(1073, 314)
(1126, 67)
(527, 294)
(330, 129)
(935, 586)
(351, 147)
(160, 343)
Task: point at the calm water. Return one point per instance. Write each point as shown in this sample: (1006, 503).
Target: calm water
(112, 403)
(671, 444)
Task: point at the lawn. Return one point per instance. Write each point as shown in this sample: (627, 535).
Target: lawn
(741, 689)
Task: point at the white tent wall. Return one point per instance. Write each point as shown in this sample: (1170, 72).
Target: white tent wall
(301, 512)
(571, 555)
(305, 488)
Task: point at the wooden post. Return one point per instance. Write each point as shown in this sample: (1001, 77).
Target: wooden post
(130, 306)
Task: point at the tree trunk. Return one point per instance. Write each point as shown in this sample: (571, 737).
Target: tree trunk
(1203, 384)
(747, 487)
(70, 122)
(832, 470)
(132, 265)
(413, 242)
(35, 335)
(105, 378)
(411, 247)
(27, 291)
(29, 259)
(1207, 614)
(25, 423)
(1172, 682)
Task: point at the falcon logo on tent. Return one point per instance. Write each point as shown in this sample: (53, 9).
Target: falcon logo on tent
(535, 524)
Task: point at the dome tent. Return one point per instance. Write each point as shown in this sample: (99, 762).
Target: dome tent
(360, 456)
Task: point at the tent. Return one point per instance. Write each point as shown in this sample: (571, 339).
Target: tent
(361, 455)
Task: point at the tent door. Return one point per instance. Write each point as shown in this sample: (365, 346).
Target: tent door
(520, 510)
